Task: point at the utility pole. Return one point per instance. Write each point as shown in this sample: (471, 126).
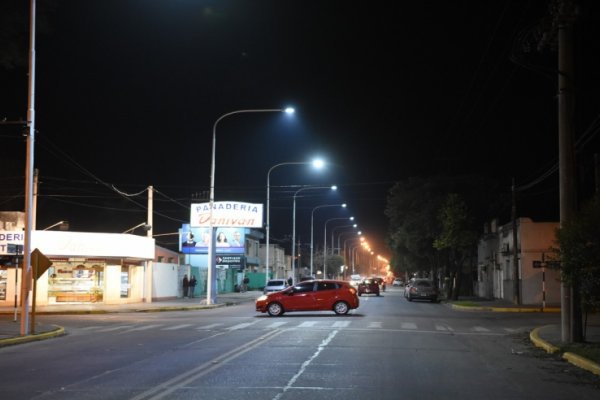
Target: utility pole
(149, 263)
(515, 245)
(564, 18)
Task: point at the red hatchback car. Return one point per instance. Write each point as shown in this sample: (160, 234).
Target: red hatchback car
(316, 295)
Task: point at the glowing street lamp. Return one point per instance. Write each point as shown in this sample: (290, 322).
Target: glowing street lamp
(294, 223)
(212, 275)
(318, 164)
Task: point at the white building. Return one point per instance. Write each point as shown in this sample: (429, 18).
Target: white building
(537, 284)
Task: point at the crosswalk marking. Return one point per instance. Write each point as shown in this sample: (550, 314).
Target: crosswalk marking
(321, 323)
(444, 328)
(142, 328)
(240, 326)
(114, 328)
(206, 327)
(276, 325)
(341, 324)
(480, 329)
(408, 325)
(175, 327)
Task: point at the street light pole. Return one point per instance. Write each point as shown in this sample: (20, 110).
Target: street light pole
(348, 258)
(316, 164)
(325, 244)
(312, 230)
(294, 223)
(341, 234)
(211, 280)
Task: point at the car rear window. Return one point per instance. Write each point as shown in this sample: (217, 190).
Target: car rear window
(424, 283)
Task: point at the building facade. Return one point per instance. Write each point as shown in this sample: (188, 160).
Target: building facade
(496, 265)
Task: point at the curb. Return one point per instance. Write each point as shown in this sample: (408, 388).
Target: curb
(505, 309)
(572, 358)
(58, 331)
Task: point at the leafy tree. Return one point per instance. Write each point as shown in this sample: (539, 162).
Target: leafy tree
(578, 250)
(413, 208)
(458, 236)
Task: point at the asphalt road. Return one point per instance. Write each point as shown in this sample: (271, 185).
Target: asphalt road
(387, 349)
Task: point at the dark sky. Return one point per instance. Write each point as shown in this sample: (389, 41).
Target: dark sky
(127, 92)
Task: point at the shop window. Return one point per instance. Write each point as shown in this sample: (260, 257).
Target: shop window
(125, 282)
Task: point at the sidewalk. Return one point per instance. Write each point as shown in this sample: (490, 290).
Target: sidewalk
(546, 337)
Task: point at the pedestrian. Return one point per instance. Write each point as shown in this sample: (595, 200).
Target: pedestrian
(290, 281)
(192, 285)
(186, 285)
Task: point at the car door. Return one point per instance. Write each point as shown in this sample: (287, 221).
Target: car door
(325, 295)
(302, 297)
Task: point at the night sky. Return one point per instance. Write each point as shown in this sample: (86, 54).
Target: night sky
(127, 93)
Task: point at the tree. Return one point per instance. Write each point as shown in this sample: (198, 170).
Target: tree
(414, 207)
(578, 251)
(458, 237)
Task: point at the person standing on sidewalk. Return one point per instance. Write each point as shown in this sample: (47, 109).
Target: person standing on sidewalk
(186, 285)
(192, 285)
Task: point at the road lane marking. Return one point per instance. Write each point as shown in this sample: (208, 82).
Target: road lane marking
(306, 363)
(166, 388)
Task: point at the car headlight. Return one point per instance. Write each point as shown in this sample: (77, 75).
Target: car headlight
(262, 298)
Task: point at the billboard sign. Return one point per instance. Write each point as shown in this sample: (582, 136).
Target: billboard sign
(196, 240)
(231, 214)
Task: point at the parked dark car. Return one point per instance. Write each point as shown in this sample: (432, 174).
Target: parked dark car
(316, 295)
(368, 286)
(421, 289)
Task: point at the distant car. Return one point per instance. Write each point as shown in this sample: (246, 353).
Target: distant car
(421, 289)
(275, 285)
(368, 286)
(381, 282)
(398, 282)
(315, 295)
(355, 280)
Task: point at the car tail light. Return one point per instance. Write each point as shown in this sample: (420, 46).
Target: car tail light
(352, 290)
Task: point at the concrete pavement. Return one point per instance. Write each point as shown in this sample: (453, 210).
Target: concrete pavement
(546, 337)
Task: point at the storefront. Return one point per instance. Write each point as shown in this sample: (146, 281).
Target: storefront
(86, 268)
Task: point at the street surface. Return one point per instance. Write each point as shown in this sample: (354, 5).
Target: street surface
(387, 349)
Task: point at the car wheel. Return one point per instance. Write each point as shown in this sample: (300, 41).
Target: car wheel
(275, 309)
(341, 308)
